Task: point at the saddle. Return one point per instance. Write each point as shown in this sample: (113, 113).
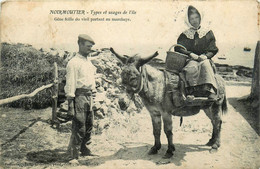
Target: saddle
(175, 84)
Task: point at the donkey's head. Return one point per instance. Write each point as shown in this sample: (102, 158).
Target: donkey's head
(131, 75)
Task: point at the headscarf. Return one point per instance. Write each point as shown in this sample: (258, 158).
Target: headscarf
(202, 31)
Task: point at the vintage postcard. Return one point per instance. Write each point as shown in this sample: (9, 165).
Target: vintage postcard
(129, 84)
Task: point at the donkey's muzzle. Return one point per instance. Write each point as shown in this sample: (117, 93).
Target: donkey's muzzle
(124, 101)
(122, 104)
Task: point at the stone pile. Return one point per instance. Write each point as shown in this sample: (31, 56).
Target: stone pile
(108, 89)
(108, 86)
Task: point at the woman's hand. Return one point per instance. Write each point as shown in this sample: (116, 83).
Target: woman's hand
(202, 57)
(198, 58)
(194, 56)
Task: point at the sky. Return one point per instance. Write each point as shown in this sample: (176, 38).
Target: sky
(155, 26)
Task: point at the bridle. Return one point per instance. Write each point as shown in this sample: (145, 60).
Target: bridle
(139, 88)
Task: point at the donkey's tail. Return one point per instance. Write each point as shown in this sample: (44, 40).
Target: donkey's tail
(224, 105)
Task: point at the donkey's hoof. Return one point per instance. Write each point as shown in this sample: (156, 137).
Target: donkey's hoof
(153, 151)
(216, 145)
(213, 150)
(168, 154)
(210, 143)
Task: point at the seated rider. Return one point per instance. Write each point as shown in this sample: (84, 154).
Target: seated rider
(201, 47)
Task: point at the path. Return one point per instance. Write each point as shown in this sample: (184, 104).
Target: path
(128, 139)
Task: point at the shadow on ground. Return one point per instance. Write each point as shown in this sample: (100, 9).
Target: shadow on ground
(48, 156)
(246, 111)
(131, 151)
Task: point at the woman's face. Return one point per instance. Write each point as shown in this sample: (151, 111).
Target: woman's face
(194, 20)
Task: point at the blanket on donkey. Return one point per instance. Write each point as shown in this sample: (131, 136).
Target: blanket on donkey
(173, 86)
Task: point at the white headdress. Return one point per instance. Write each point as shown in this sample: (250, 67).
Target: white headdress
(202, 30)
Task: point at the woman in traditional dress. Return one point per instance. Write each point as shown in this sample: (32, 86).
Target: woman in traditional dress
(200, 44)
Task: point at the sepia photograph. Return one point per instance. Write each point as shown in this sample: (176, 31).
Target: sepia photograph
(129, 84)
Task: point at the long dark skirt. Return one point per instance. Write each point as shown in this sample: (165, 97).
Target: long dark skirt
(199, 76)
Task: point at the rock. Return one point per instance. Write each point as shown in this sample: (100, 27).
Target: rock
(131, 110)
(104, 110)
(54, 53)
(114, 105)
(105, 85)
(99, 114)
(103, 124)
(61, 53)
(100, 89)
(113, 91)
(119, 81)
(107, 101)
(110, 64)
(112, 110)
(98, 82)
(96, 106)
(105, 49)
(74, 162)
(4, 115)
(224, 69)
(245, 72)
(95, 62)
(64, 106)
(100, 96)
(117, 91)
(69, 56)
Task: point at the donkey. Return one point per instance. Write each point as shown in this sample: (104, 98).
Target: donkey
(151, 85)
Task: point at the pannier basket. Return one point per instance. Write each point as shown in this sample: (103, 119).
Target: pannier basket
(175, 61)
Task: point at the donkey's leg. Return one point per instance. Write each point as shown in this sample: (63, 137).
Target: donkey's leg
(167, 124)
(212, 140)
(210, 116)
(157, 123)
(216, 119)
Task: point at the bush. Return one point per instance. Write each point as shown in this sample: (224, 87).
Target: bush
(23, 69)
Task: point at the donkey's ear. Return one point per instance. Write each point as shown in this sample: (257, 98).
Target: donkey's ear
(123, 59)
(143, 61)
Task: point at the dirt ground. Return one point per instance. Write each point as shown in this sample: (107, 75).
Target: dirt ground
(123, 140)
